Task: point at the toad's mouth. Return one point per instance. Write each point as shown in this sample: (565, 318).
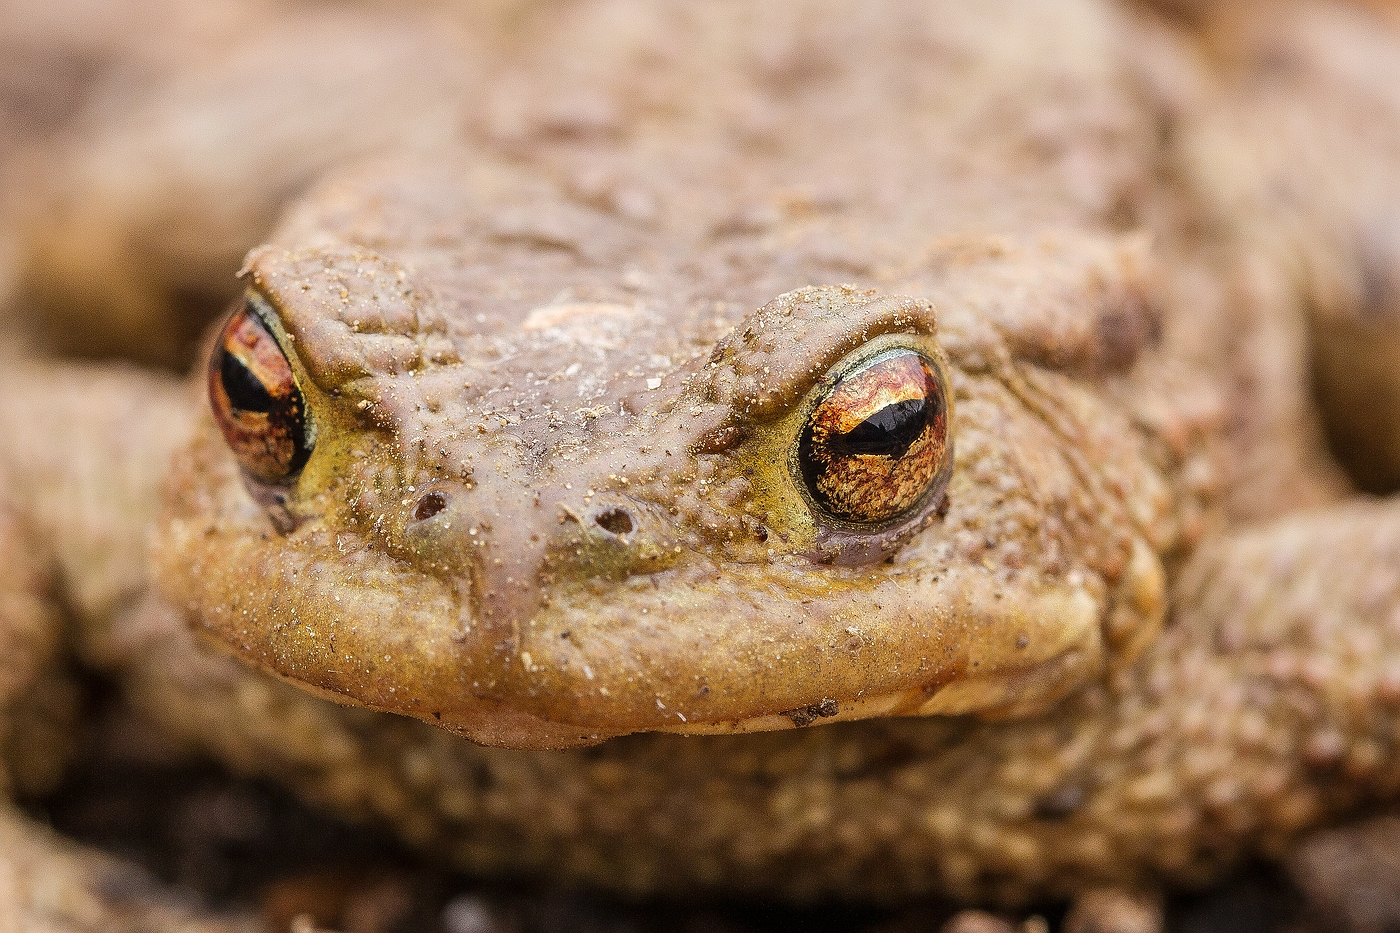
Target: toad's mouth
(686, 649)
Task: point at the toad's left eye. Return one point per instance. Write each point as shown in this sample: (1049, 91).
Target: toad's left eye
(255, 397)
(875, 446)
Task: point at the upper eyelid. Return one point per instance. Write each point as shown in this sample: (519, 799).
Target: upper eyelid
(785, 349)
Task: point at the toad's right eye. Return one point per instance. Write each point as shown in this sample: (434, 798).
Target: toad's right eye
(255, 398)
(876, 444)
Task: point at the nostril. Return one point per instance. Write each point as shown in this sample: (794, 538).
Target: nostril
(614, 521)
(430, 505)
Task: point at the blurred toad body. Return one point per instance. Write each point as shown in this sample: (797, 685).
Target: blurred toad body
(929, 374)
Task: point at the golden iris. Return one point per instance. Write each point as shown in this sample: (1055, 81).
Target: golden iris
(876, 444)
(255, 397)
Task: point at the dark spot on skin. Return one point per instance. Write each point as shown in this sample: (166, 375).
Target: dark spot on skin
(429, 505)
(1123, 331)
(944, 504)
(806, 715)
(1060, 803)
(615, 521)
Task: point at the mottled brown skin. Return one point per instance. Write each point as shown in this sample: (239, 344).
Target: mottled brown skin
(450, 365)
(1103, 660)
(479, 336)
(1335, 209)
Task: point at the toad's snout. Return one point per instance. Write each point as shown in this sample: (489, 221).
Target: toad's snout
(610, 536)
(442, 529)
(545, 539)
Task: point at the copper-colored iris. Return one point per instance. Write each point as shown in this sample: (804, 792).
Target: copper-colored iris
(877, 443)
(256, 400)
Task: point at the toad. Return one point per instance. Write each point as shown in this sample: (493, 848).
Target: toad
(872, 457)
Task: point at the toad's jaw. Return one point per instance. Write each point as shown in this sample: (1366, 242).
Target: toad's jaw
(765, 646)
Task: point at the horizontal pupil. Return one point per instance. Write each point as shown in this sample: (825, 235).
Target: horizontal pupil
(245, 392)
(890, 432)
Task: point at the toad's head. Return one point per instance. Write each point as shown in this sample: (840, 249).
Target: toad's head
(542, 497)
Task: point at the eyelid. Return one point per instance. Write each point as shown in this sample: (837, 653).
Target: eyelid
(765, 367)
(766, 454)
(258, 304)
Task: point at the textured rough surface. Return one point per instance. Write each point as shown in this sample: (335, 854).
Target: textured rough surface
(557, 367)
(477, 332)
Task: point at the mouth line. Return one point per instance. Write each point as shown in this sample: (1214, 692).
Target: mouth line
(1005, 694)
